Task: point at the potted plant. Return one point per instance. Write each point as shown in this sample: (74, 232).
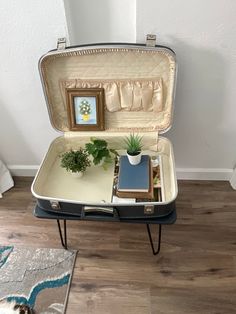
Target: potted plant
(133, 145)
(75, 162)
(98, 149)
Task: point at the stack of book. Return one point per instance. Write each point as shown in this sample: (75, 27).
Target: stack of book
(135, 181)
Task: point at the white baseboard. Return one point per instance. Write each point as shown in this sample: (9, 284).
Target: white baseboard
(215, 174)
(182, 173)
(23, 170)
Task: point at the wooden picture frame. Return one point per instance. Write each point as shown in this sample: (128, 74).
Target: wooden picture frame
(85, 107)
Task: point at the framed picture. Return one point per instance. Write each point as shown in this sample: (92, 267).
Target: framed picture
(85, 109)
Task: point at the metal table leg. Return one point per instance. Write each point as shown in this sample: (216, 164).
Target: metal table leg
(63, 241)
(151, 240)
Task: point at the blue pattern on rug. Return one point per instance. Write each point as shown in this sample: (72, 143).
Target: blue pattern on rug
(38, 277)
(38, 288)
(4, 254)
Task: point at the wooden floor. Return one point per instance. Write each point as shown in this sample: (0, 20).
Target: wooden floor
(115, 270)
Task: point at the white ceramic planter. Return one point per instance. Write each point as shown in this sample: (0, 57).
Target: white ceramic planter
(134, 160)
(77, 174)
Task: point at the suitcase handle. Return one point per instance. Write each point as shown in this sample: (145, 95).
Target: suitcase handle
(93, 211)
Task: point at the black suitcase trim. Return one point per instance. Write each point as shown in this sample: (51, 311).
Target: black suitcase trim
(116, 213)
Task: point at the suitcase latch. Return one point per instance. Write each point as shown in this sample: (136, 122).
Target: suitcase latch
(61, 43)
(151, 40)
(55, 205)
(148, 209)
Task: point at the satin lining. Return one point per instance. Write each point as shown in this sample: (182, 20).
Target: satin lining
(124, 95)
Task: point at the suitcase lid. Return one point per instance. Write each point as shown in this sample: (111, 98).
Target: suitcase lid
(138, 82)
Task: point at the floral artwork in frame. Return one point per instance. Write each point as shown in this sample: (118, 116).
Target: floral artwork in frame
(85, 108)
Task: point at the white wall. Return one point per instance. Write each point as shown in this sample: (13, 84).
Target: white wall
(28, 30)
(92, 21)
(201, 32)
(203, 35)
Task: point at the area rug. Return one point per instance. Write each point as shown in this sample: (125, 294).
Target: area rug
(39, 278)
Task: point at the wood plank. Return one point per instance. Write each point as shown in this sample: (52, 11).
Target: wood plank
(115, 271)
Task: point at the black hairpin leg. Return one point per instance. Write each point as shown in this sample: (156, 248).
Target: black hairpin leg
(63, 241)
(151, 241)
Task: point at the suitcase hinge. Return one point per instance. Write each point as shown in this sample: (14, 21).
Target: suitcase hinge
(55, 205)
(61, 43)
(151, 40)
(148, 209)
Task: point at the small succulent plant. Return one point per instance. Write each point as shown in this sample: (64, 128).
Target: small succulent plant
(133, 144)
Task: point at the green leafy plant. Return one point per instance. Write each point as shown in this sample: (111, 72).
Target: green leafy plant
(133, 144)
(98, 149)
(75, 161)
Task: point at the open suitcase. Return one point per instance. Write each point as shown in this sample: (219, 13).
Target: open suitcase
(139, 86)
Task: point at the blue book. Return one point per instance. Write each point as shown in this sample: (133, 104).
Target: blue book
(134, 178)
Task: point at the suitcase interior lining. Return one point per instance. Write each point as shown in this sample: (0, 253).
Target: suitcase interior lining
(114, 64)
(53, 182)
(123, 95)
